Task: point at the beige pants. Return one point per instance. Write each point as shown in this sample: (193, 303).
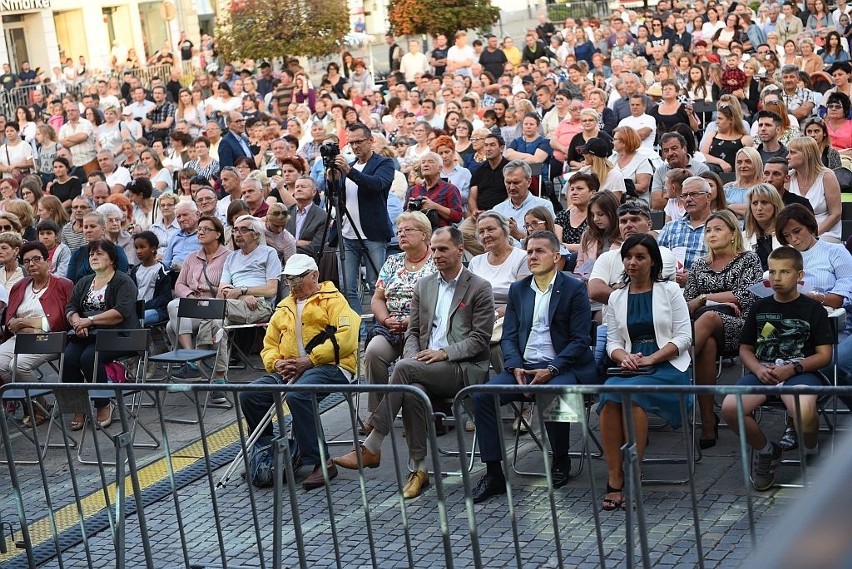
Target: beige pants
(237, 312)
(377, 361)
(27, 366)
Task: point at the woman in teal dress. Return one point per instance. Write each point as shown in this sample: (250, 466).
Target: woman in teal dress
(648, 327)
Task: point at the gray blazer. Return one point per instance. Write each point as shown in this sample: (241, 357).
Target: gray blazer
(312, 229)
(470, 326)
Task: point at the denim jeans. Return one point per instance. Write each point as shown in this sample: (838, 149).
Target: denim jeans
(153, 316)
(354, 253)
(255, 405)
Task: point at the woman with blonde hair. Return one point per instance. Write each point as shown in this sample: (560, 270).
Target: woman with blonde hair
(720, 150)
(25, 215)
(748, 167)
(810, 179)
(590, 125)
(49, 207)
(723, 277)
(764, 205)
(630, 163)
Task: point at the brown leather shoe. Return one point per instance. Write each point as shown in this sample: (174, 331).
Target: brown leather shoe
(315, 479)
(350, 460)
(415, 483)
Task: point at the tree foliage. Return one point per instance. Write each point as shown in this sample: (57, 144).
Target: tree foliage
(263, 29)
(433, 17)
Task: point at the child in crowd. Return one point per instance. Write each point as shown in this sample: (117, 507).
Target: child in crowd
(786, 340)
(672, 185)
(59, 253)
(151, 278)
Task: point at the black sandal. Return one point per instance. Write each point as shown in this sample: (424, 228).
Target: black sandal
(611, 504)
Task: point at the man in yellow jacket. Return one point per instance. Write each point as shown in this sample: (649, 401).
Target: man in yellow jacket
(312, 339)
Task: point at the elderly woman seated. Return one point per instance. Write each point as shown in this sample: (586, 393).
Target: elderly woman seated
(391, 303)
(36, 304)
(94, 229)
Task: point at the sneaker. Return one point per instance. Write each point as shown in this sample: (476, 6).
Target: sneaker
(763, 476)
(790, 440)
(187, 371)
(153, 372)
(218, 397)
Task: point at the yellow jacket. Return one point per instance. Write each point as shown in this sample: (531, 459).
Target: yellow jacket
(327, 307)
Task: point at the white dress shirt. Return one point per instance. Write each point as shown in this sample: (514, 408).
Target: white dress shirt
(539, 346)
(446, 290)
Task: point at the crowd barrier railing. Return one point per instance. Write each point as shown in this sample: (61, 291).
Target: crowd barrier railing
(163, 507)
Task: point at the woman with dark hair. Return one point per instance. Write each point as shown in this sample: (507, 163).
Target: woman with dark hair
(531, 146)
(64, 186)
(26, 123)
(236, 209)
(833, 51)
(464, 146)
(203, 164)
(333, 76)
(573, 221)
(451, 121)
(178, 153)
(145, 210)
(648, 339)
(838, 125)
(717, 191)
(36, 305)
(601, 235)
(160, 176)
(814, 127)
(103, 300)
(16, 155)
(671, 111)
(222, 102)
(31, 190)
(188, 111)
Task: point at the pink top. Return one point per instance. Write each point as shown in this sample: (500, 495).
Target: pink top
(840, 139)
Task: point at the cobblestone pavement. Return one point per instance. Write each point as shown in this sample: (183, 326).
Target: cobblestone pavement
(721, 494)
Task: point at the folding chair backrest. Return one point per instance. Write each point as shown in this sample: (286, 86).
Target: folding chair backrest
(202, 308)
(47, 343)
(122, 340)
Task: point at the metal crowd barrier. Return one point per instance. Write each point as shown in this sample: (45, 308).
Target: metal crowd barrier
(163, 508)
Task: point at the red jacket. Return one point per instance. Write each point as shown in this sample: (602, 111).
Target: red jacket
(53, 301)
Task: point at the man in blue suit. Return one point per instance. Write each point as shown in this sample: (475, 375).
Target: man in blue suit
(367, 183)
(234, 144)
(545, 341)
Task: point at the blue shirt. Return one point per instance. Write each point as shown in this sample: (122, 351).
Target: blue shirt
(78, 266)
(180, 246)
(680, 233)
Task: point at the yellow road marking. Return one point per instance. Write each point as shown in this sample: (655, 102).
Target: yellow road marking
(67, 516)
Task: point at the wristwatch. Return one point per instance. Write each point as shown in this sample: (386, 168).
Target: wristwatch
(244, 290)
(798, 367)
(553, 371)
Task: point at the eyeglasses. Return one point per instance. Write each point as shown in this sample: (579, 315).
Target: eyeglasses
(692, 195)
(406, 231)
(834, 106)
(244, 230)
(33, 260)
(202, 229)
(359, 141)
(6, 228)
(533, 224)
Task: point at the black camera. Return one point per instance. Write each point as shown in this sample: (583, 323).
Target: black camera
(415, 204)
(329, 151)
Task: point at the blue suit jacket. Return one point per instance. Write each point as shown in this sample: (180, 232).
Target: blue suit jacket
(374, 183)
(230, 150)
(570, 323)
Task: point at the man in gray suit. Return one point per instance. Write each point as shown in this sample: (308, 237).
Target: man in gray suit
(446, 348)
(307, 220)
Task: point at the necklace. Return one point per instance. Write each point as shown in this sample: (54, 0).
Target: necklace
(418, 261)
(42, 288)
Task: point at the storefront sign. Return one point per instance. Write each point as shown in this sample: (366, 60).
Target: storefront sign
(23, 5)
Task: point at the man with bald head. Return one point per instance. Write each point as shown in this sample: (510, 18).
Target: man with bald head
(117, 177)
(206, 201)
(234, 144)
(100, 193)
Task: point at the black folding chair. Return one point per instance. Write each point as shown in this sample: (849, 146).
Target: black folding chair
(52, 344)
(109, 341)
(202, 309)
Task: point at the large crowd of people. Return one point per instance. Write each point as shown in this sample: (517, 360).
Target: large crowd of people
(495, 201)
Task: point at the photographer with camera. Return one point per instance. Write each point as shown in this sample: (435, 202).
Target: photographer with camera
(363, 197)
(438, 199)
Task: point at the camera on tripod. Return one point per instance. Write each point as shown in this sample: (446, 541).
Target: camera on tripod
(329, 151)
